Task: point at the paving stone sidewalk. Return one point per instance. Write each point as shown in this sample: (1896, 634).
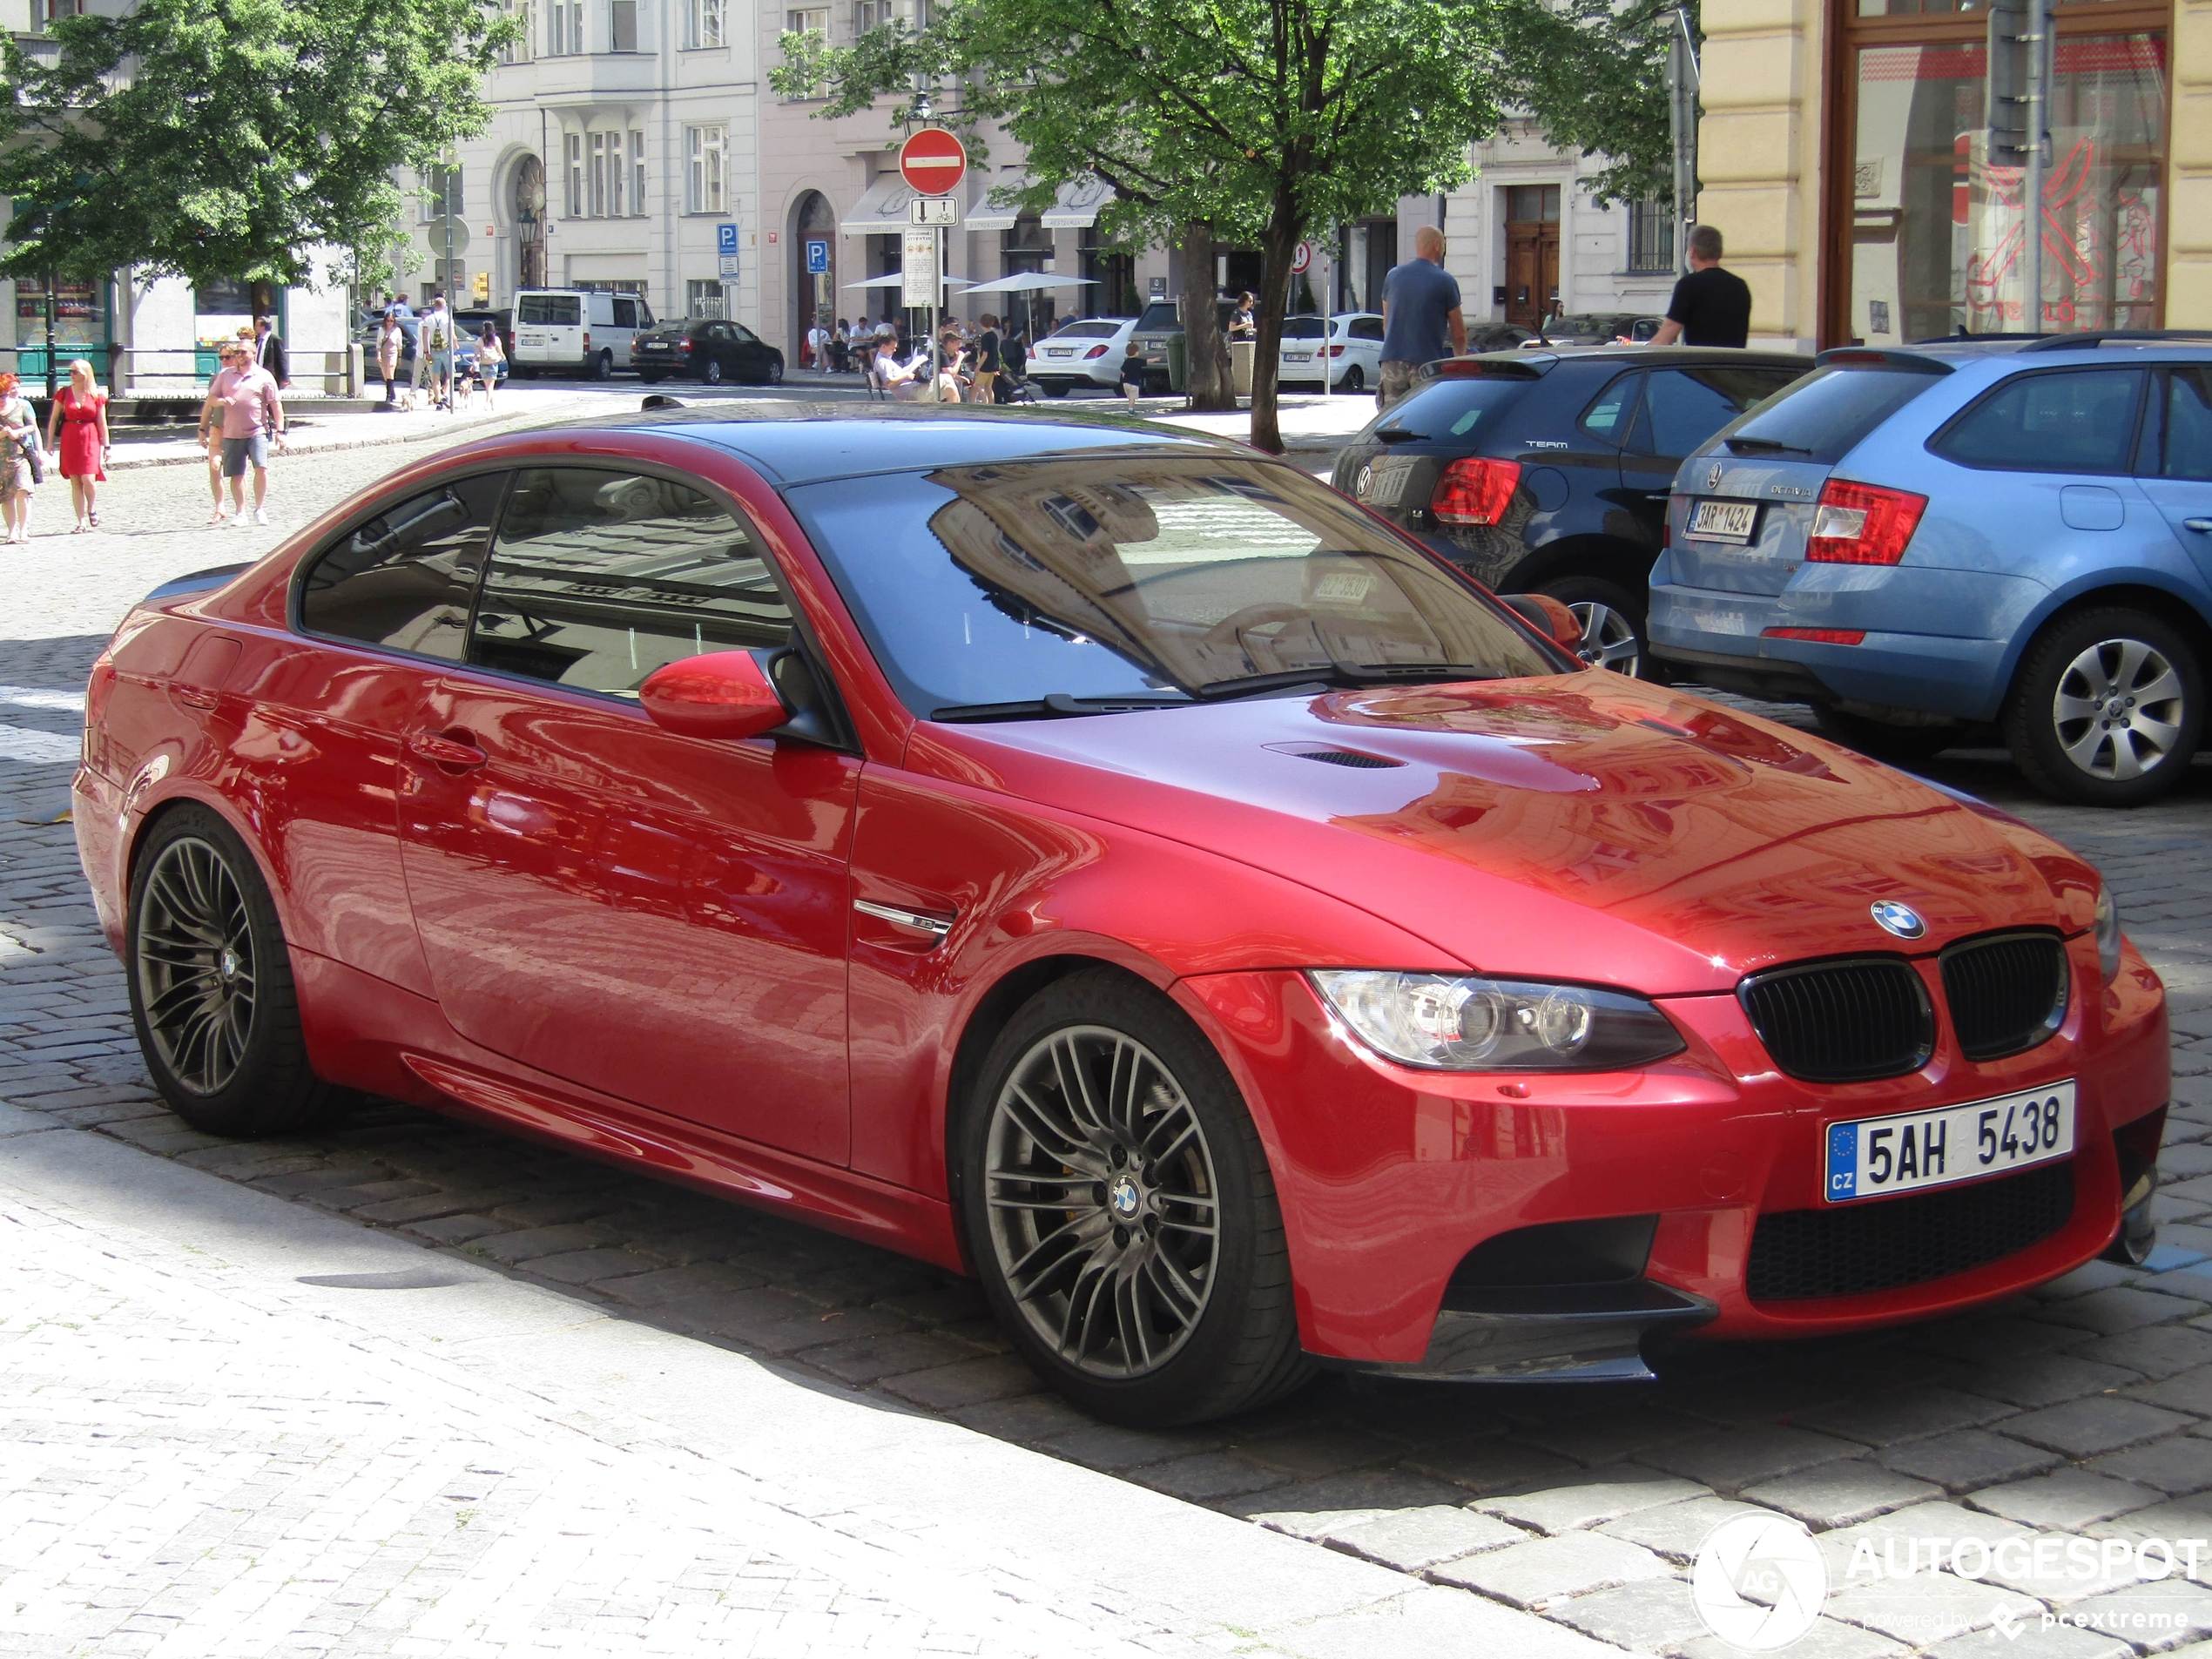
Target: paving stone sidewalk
(2083, 1409)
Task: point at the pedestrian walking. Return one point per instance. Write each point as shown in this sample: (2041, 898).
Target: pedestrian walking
(431, 336)
(391, 346)
(18, 473)
(246, 403)
(1132, 373)
(1420, 305)
(491, 361)
(269, 351)
(77, 433)
(990, 360)
(1712, 306)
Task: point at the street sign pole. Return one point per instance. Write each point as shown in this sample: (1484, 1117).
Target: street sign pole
(49, 335)
(933, 162)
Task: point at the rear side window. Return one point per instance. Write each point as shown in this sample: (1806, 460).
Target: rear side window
(2078, 420)
(1367, 328)
(404, 579)
(1829, 413)
(2177, 440)
(550, 310)
(1454, 407)
(600, 577)
(1685, 407)
(625, 314)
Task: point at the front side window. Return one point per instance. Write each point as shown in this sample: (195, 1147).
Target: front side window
(2072, 421)
(707, 145)
(1153, 578)
(2177, 440)
(404, 579)
(600, 577)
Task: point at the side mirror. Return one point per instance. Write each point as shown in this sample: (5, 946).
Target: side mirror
(722, 694)
(1549, 616)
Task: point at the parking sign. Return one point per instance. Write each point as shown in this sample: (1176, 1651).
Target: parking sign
(817, 256)
(725, 237)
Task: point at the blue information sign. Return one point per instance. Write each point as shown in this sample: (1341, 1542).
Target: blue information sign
(817, 256)
(725, 237)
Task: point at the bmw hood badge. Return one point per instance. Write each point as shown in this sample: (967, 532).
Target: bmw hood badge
(1899, 919)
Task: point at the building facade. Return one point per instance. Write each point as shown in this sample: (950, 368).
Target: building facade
(1843, 153)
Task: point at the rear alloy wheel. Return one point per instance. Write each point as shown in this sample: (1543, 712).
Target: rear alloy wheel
(1612, 622)
(212, 996)
(1119, 1207)
(603, 367)
(1354, 379)
(2106, 709)
(713, 373)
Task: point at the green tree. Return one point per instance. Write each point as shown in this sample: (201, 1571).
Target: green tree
(226, 139)
(1594, 74)
(1259, 119)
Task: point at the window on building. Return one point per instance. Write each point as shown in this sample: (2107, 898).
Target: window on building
(703, 192)
(441, 193)
(45, 13)
(636, 173)
(522, 14)
(617, 177)
(1532, 205)
(574, 143)
(870, 14)
(564, 27)
(599, 198)
(811, 20)
(1651, 238)
(621, 25)
(703, 297)
(706, 23)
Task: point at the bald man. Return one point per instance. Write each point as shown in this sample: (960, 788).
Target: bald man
(1421, 303)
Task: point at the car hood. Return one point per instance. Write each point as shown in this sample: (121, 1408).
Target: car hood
(1586, 826)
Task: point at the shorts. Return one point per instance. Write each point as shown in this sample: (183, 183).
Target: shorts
(1394, 381)
(238, 451)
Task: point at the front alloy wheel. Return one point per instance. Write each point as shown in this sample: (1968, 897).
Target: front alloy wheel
(1612, 624)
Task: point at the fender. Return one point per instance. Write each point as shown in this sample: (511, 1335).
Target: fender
(2086, 583)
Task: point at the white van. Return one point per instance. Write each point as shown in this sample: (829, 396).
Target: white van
(579, 331)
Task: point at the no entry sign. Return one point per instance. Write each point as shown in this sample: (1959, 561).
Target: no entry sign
(933, 162)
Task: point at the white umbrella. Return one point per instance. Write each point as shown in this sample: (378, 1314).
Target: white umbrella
(1029, 282)
(891, 279)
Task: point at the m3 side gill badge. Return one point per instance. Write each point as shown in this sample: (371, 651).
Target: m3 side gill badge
(1899, 919)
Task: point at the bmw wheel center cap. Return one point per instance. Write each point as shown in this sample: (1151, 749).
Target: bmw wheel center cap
(1899, 919)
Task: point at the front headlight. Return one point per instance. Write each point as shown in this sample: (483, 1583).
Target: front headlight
(2107, 935)
(1444, 1022)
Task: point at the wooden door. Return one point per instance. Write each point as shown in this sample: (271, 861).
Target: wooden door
(1532, 271)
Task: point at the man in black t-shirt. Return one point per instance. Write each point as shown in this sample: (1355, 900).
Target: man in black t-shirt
(1712, 306)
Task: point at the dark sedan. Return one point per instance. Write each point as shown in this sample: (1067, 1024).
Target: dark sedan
(1547, 471)
(708, 349)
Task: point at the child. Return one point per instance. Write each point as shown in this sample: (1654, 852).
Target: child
(1132, 374)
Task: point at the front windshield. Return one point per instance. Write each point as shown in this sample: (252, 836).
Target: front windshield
(1147, 578)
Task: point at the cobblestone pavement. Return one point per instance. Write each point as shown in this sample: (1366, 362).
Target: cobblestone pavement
(2085, 1408)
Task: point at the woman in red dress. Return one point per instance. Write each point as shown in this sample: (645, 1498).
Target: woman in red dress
(76, 431)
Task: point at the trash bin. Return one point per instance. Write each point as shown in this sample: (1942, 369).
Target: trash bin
(1178, 363)
(1240, 366)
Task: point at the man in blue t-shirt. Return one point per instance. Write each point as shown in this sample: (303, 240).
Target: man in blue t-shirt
(1421, 302)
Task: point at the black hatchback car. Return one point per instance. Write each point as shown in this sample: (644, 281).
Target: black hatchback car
(1547, 472)
(706, 348)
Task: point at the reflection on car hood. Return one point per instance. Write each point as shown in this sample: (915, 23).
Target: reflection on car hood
(1586, 826)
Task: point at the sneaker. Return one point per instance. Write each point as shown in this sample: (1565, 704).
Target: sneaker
(261, 516)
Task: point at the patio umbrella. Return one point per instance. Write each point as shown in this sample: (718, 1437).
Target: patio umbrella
(891, 279)
(1029, 282)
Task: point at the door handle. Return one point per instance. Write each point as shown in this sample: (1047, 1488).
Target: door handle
(2201, 526)
(446, 751)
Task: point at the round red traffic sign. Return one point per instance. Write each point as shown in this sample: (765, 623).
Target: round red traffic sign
(1302, 260)
(933, 162)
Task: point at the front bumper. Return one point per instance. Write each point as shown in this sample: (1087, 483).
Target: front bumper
(1389, 1178)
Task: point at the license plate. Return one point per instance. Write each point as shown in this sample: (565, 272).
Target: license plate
(1298, 356)
(1724, 521)
(1874, 1156)
(656, 345)
(1060, 351)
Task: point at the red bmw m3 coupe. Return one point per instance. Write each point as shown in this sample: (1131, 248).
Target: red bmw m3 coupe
(1106, 862)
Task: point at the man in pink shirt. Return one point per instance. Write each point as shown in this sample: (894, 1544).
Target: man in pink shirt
(251, 413)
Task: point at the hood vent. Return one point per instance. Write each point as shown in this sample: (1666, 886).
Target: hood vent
(1334, 757)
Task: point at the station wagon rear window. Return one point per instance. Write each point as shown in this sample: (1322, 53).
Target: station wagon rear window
(1827, 414)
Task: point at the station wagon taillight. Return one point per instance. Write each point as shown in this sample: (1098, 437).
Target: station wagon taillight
(1863, 523)
(1475, 491)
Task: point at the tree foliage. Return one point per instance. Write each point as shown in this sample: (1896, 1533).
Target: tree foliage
(1263, 120)
(227, 139)
(1594, 74)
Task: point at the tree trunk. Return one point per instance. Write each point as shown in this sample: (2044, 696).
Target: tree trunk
(1279, 244)
(1205, 383)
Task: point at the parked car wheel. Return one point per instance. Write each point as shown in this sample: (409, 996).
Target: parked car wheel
(711, 373)
(1119, 1206)
(2106, 708)
(1612, 621)
(775, 376)
(1899, 745)
(1355, 380)
(210, 988)
(652, 379)
(603, 367)
(1055, 389)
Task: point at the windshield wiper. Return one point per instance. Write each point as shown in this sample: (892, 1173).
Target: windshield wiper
(1057, 705)
(1342, 675)
(1399, 434)
(1765, 447)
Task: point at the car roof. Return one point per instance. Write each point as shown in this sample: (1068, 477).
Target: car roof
(791, 443)
(1544, 359)
(2031, 350)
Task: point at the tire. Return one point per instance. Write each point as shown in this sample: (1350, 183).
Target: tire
(775, 372)
(1612, 619)
(1200, 1328)
(211, 994)
(2106, 708)
(603, 367)
(1896, 746)
(712, 375)
(1354, 380)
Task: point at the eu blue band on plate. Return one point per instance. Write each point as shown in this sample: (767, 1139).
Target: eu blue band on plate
(1842, 1161)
